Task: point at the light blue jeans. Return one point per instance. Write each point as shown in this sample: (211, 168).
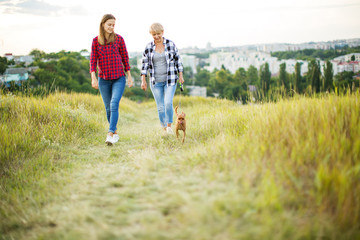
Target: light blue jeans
(164, 96)
(111, 92)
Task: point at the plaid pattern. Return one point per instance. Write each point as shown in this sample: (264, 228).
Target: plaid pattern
(173, 60)
(112, 59)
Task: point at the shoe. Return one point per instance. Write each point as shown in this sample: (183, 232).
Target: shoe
(169, 131)
(109, 140)
(116, 138)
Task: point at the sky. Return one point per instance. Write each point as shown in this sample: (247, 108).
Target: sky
(70, 25)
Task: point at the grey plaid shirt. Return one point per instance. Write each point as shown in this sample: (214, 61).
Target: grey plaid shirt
(173, 60)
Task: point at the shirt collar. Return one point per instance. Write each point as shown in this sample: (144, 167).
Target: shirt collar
(153, 42)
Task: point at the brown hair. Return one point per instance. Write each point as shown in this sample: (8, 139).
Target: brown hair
(102, 39)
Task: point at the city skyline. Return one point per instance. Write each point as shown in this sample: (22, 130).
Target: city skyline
(70, 25)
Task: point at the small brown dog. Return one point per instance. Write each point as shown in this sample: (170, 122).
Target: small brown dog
(180, 123)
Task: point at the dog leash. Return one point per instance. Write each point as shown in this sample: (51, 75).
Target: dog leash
(181, 90)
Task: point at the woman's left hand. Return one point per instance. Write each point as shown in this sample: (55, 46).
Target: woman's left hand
(130, 81)
(181, 77)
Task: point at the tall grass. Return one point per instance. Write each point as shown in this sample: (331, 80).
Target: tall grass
(299, 154)
(296, 160)
(30, 124)
(284, 170)
(36, 133)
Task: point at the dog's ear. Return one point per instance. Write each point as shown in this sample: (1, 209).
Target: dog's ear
(184, 114)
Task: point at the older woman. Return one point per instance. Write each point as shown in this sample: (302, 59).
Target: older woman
(109, 55)
(162, 60)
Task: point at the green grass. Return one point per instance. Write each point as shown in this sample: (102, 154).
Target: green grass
(285, 170)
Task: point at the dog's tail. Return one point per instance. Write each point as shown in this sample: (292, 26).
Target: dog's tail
(176, 110)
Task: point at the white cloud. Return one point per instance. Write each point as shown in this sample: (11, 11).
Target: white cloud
(39, 8)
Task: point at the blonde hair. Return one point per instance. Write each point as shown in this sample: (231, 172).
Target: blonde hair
(102, 38)
(156, 28)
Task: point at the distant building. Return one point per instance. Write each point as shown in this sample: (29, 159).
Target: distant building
(33, 69)
(347, 57)
(16, 75)
(197, 91)
(252, 88)
(9, 56)
(357, 77)
(85, 54)
(348, 67)
(345, 64)
(190, 61)
(252, 92)
(244, 59)
(24, 59)
(233, 60)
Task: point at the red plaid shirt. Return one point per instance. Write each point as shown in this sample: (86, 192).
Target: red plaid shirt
(112, 59)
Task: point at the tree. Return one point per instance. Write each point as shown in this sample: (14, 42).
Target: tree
(67, 71)
(133, 61)
(240, 78)
(38, 54)
(344, 80)
(69, 64)
(235, 92)
(135, 73)
(265, 76)
(283, 76)
(328, 75)
(222, 78)
(44, 77)
(3, 64)
(239, 88)
(253, 76)
(298, 78)
(202, 77)
(314, 75)
(189, 75)
(353, 58)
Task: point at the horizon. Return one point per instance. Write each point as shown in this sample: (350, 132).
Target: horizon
(195, 47)
(70, 25)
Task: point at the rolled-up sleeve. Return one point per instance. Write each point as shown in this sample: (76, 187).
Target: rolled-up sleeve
(124, 55)
(145, 63)
(178, 63)
(93, 56)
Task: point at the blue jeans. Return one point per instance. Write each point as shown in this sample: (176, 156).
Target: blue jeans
(111, 92)
(164, 95)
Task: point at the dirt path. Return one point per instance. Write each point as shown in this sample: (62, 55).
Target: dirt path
(113, 191)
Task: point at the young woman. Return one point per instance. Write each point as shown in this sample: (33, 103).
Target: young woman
(110, 57)
(162, 60)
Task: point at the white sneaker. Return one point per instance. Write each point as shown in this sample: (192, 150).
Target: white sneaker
(169, 131)
(109, 140)
(116, 138)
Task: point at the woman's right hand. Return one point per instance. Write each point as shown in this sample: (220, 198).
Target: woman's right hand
(94, 81)
(143, 83)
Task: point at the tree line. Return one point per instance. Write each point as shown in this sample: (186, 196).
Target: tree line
(260, 84)
(66, 71)
(309, 54)
(69, 71)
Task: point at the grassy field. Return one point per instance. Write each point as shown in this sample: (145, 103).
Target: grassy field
(285, 170)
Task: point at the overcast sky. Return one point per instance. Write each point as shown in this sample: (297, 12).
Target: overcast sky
(55, 25)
